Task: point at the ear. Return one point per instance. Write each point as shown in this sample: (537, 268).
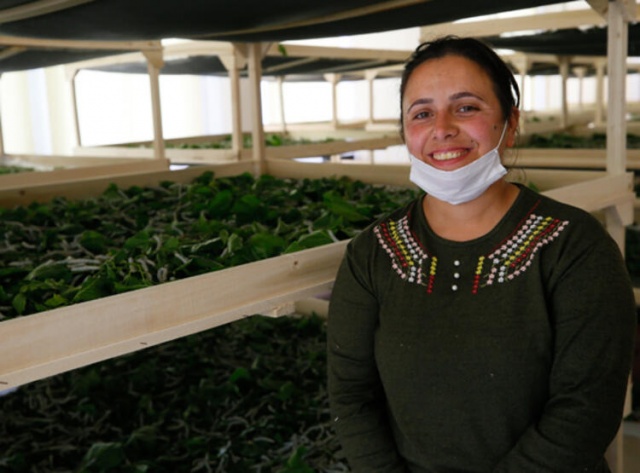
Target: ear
(513, 124)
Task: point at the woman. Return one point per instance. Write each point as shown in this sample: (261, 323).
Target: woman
(483, 327)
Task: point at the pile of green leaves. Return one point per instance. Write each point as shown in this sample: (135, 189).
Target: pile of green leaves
(245, 397)
(66, 252)
(566, 140)
(271, 139)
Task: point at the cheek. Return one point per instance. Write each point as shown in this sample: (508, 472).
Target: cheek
(414, 136)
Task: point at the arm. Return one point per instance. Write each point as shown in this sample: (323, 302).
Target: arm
(592, 311)
(357, 400)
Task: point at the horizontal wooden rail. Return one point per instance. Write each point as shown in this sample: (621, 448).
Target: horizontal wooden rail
(92, 187)
(25, 179)
(48, 343)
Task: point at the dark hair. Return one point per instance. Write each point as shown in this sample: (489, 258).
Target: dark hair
(504, 83)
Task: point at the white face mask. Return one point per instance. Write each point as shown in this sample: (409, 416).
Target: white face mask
(462, 184)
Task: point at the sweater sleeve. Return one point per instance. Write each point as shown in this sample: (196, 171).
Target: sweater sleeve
(357, 401)
(593, 316)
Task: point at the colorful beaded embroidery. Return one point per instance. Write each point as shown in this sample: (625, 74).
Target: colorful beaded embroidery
(408, 257)
(508, 260)
(515, 255)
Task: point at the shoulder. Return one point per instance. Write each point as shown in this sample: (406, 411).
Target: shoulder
(397, 219)
(578, 222)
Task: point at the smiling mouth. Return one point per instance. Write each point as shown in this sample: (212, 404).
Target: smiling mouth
(447, 155)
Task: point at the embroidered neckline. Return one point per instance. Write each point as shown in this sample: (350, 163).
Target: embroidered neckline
(413, 263)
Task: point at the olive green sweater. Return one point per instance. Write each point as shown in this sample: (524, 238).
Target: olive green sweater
(509, 353)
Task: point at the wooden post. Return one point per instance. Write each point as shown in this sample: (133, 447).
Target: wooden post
(256, 52)
(154, 64)
(618, 13)
(580, 72)
(521, 63)
(71, 75)
(333, 79)
(370, 75)
(233, 63)
(2, 153)
(617, 45)
(564, 74)
(599, 118)
(283, 119)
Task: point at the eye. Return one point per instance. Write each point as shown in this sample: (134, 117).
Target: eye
(467, 108)
(421, 115)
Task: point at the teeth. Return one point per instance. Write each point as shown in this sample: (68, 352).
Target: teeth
(447, 155)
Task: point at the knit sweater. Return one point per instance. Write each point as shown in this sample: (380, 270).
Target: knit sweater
(509, 353)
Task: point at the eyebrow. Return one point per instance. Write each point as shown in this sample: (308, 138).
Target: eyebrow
(456, 96)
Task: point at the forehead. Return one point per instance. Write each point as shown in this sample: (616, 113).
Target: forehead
(449, 73)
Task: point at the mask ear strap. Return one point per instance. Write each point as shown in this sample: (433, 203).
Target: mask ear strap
(504, 131)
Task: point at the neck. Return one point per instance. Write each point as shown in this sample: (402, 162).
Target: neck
(473, 219)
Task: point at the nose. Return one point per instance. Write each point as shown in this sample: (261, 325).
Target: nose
(444, 126)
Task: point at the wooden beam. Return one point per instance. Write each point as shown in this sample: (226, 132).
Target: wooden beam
(323, 52)
(37, 178)
(79, 44)
(540, 21)
(617, 45)
(59, 340)
(598, 193)
(154, 63)
(257, 127)
(91, 187)
(627, 8)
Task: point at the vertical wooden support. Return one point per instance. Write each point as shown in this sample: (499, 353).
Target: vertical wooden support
(2, 153)
(255, 51)
(333, 79)
(600, 67)
(234, 63)
(522, 65)
(71, 75)
(617, 45)
(564, 74)
(154, 64)
(283, 119)
(370, 75)
(619, 12)
(580, 72)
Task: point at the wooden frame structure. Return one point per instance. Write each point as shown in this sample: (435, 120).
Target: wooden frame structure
(39, 346)
(235, 57)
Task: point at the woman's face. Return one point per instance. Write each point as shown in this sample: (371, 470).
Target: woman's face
(451, 114)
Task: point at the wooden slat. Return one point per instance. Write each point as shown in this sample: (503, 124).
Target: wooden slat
(598, 193)
(390, 174)
(96, 186)
(27, 179)
(52, 342)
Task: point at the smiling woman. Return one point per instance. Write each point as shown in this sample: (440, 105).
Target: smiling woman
(467, 330)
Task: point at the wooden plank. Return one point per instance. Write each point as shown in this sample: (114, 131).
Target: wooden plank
(96, 186)
(78, 44)
(617, 45)
(390, 174)
(598, 193)
(52, 342)
(568, 158)
(36, 178)
(51, 162)
(539, 21)
(329, 148)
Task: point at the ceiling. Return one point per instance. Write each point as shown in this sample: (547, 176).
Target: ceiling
(222, 20)
(81, 21)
